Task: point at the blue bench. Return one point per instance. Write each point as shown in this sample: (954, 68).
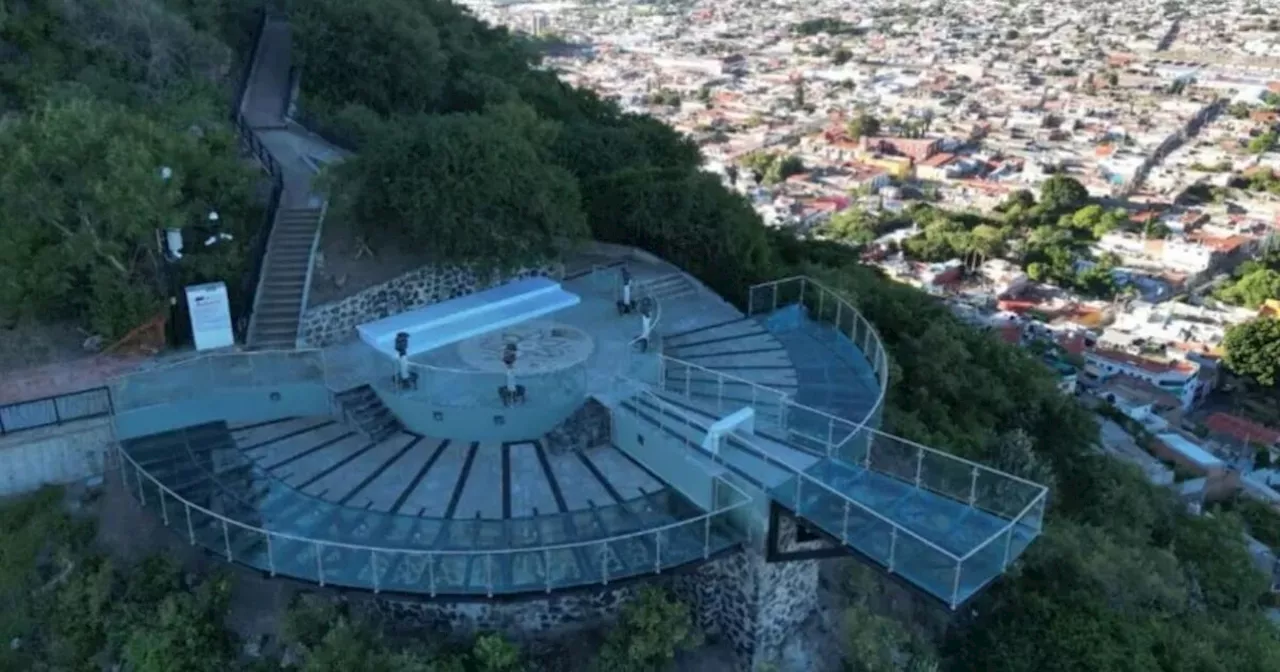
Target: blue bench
(447, 322)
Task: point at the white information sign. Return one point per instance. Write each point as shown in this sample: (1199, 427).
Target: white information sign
(210, 316)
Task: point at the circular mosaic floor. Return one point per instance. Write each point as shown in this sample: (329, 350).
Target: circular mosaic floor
(540, 347)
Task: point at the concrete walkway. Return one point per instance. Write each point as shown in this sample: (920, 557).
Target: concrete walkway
(299, 152)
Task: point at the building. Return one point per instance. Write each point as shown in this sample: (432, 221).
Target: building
(1178, 377)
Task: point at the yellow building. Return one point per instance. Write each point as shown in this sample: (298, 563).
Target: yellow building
(897, 166)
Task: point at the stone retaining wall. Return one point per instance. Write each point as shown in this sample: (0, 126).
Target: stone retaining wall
(754, 606)
(335, 321)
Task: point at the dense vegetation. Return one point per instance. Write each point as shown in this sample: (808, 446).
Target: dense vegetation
(99, 98)
(1123, 579)
(67, 606)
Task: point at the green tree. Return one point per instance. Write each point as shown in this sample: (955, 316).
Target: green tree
(1253, 350)
(1263, 143)
(1253, 288)
(1060, 193)
(185, 634)
(489, 193)
(84, 199)
(863, 125)
(650, 631)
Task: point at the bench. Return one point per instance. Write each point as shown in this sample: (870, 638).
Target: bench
(447, 322)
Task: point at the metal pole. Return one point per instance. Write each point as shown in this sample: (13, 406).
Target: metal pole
(226, 539)
(893, 547)
(657, 552)
(799, 483)
(839, 306)
(164, 510)
(271, 558)
(844, 527)
(973, 487)
(688, 380)
(191, 530)
(803, 282)
(546, 567)
(775, 297)
(1008, 548)
(706, 537)
(604, 562)
(373, 564)
(488, 572)
(955, 587)
(57, 415)
(720, 393)
(431, 573)
(319, 563)
(831, 435)
(822, 304)
(919, 464)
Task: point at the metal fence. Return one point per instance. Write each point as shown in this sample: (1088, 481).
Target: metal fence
(55, 410)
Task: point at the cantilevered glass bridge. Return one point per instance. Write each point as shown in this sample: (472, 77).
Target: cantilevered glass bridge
(459, 468)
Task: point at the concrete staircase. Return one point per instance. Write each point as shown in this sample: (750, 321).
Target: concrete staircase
(667, 287)
(282, 290)
(363, 407)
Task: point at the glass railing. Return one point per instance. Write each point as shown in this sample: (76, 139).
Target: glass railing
(210, 374)
(849, 503)
(473, 388)
(495, 566)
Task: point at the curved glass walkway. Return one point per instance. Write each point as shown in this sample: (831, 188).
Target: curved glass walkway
(202, 484)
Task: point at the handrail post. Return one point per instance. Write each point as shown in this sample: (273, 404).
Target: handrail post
(955, 587)
(431, 573)
(973, 487)
(604, 562)
(775, 298)
(546, 567)
(373, 566)
(893, 547)
(319, 563)
(803, 282)
(688, 381)
(706, 537)
(822, 304)
(831, 436)
(919, 464)
(271, 557)
(164, 510)
(836, 324)
(657, 551)
(844, 526)
(799, 483)
(719, 393)
(191, 530)
(488, 572)
(1008, 548)
(226, 539)
(142, 492)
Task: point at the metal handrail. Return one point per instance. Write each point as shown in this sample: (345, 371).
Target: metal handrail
(744, 500)
(799, 473)
(1009, 526)
(736, 380)
(58, 417)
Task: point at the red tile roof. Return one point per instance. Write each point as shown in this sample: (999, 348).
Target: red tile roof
(1242, 429)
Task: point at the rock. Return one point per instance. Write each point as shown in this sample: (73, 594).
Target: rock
(94, 343)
